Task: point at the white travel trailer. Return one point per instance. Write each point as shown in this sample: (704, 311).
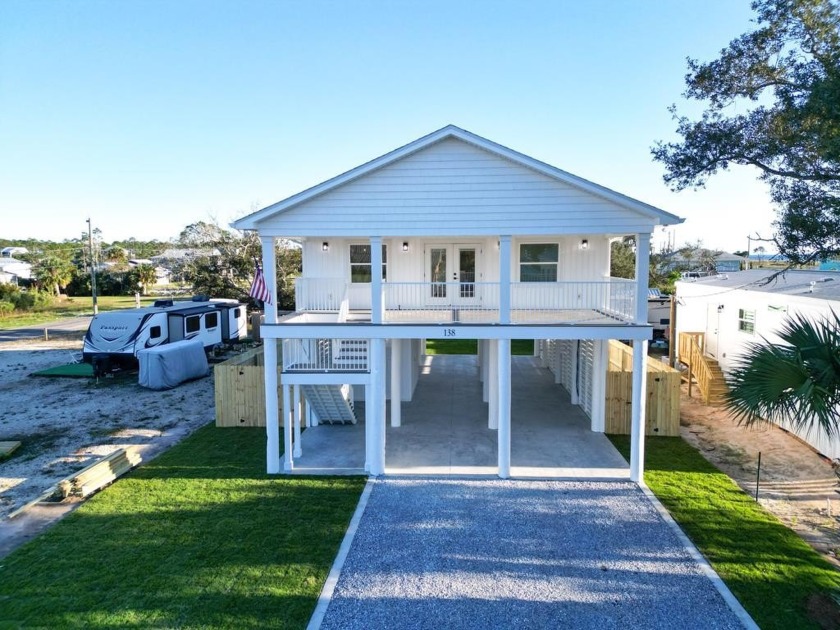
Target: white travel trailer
(115, 337)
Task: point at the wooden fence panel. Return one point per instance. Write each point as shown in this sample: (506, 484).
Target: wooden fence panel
(240, 391)
(662, 415)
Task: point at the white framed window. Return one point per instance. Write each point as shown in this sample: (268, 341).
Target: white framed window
(360, 263)
(746, 321)
(538, 262)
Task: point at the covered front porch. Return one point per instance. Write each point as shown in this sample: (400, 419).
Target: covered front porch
(444, 430)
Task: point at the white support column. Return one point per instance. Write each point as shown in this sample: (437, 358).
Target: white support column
(503, 436)
(493, 379)
(504, 279)
(376, 279)
(642, 276)
(638, 412)
(396, 382)
(599, 387)
(287, 429)
(574, 394)
(480, 356)
(558, 357)
(484, 344)
(272, 413)
(370, 423)
(377, 405)
(297, 420)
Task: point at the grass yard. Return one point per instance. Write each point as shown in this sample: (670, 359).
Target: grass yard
(470, 346)
(71, 307)
(781, 581)
(199, 537)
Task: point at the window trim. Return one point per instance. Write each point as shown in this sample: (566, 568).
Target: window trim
(351, 264)
(187, 320)
(555, 264)
(746, 321)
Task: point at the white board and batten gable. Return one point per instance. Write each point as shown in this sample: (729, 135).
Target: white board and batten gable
(455, 183)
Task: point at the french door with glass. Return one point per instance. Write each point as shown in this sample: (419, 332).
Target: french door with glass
(451, 273)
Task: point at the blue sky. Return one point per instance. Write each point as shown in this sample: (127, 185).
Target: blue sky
(150, 115)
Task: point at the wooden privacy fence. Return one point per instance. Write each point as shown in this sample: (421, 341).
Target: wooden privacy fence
(663, 394)
(240, 390)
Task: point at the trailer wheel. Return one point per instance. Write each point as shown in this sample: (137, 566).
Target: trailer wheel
(101, 366)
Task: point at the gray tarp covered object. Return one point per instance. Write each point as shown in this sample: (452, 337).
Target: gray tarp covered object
(171, 364)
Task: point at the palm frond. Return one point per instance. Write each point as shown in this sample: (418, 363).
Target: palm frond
(796, 384)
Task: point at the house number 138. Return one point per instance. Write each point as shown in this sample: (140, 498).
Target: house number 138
(448, 332)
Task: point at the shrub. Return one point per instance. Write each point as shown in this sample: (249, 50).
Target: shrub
(6, 308)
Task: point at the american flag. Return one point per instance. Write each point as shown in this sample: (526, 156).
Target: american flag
(259, 291)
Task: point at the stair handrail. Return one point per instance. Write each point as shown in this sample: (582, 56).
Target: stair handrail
(692, 354)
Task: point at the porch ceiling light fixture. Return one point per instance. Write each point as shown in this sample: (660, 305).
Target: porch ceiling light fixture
(405, 246)
(584, 244)
(325, 246)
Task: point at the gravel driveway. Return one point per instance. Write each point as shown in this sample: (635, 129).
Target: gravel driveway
(466, 553)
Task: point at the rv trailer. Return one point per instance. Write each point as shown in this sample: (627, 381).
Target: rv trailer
(114, 338)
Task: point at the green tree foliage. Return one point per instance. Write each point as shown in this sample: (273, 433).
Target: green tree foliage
(622, 259)
(223, 262)
(772, 102)
(52, 273)
(796, 383)
(146, 276)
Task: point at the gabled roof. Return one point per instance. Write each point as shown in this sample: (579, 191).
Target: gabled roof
(252, 221)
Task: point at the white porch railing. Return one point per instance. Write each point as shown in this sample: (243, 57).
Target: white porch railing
(325, 355)
(478, 302)
(319, 295)
(441, 301)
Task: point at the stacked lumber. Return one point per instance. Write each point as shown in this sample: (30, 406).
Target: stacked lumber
(100, 473)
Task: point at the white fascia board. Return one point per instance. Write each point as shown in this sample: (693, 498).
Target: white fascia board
(291, 233)
(252, 221)
(457, 331)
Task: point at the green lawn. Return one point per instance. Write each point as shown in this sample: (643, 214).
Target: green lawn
(776, 576)
(70, 307)
(199, 537)
(470, 346)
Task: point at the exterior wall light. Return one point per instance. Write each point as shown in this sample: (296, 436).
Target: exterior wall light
(584, 244)
(325, 246)
(405, 246)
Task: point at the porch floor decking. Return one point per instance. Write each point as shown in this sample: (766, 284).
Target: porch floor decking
(444, 430)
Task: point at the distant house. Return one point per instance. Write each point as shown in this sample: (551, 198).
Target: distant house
(739, 308)
(11, 252)
(13, 270)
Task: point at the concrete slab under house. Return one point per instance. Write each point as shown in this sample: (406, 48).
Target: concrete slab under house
(453, 236)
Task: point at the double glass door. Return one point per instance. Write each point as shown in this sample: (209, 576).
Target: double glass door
(452, 271)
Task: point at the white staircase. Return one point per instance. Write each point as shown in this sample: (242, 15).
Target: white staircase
(333, 404)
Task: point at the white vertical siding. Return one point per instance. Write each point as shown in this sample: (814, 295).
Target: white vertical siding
(585, 374)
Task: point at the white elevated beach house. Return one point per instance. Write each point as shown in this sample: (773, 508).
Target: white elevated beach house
(450, 237)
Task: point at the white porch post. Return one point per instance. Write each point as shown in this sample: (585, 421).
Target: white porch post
(504, 280)
(376, 279)
(574, 394)
(369, 424)
(289, 463)
(504, 407)
(642, 276)
(493, 380)
(297, 419)
(599, 387)
(376, 457)
(272, 413)
(637, 412)
(396, 382)
(558, 357)
(484, 357)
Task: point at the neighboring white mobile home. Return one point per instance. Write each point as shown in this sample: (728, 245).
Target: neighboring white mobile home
(734, 309)
(452, 237)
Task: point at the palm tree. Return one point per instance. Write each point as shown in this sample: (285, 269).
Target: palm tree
(796, 384)
(147, 276)
(52, 272)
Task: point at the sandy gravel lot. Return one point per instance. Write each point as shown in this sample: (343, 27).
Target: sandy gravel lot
(67, 423)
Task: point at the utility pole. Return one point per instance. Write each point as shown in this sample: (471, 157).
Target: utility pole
(749, 245)
(92, 269)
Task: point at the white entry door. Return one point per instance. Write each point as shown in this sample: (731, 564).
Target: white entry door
(712, 330)
(452, 271)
